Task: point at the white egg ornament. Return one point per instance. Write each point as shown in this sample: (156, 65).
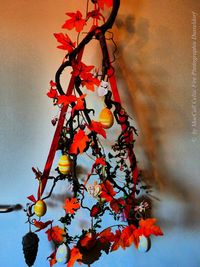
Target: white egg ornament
(106, 118)
(65, 164)
(63, 254)
(40, 208)
(144, 244)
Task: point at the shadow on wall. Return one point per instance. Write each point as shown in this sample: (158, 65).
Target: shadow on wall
(148, 92)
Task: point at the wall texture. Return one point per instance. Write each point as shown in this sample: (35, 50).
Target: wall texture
(156, 70)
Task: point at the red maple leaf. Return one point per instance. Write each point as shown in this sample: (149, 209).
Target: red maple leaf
(100, 161)
(52, 93)
(75, 255)
(80, 142)
(117, 240)
(101, 3)
(107, 191)
(89, 240)
(128, 236)
(89, 81)
(106, 236)
(71, 205)
(56, 234)
(76, 21)
(95, 14)
(79, 69)
(41, 225)
(80, 104)
(148, 227)
(66, 43)
(97, 127)
(117, 204)
(66, 100)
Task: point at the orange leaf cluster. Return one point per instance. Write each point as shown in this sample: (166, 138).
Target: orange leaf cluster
(56, 234)
(71, 205)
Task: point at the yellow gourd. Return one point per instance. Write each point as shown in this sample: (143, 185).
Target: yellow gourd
(65, 164)
(40, 208)
(106, 118)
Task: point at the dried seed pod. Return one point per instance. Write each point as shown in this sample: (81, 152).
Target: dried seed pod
(30, 247)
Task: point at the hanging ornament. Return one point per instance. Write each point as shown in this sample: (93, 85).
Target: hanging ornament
(40, 208)
(113, 181)
(144, 244)
(106, 118)
(65, 164)
(63, 254)
(30, 247)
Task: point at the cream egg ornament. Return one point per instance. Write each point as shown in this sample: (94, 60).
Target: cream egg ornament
(65, 164)
(40, 208)
(63, 254)
(144, 244)
(106, 118)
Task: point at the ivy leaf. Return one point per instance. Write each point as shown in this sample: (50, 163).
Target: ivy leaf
(56, 234)
(107, 191)
(88, 241)
(117, 240)
(76, 21)
(71, 205)
(106, 236)
(41, 225)
(79, 143)
(89, 81)
(66, 100)
(66, 43)
(75, 255)
(101, 3)
(97, 127)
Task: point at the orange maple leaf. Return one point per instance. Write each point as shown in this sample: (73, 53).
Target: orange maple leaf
(117, 204)
(101, 3)
(80, 104)
(71, 205)
(52, 259)
(66, 43)
(66, 100)
(75, 255)
(56, 234)
(76, 21)
(107, 191)
(88, 241)
(106, 236)
(117, 240)
(148, 227)
(79, 143)
(79, 69)
(89, 81)
(41, 225)
(97, 127)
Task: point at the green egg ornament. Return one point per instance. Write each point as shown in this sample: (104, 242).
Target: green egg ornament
(144, 244)
(40, 208)
(65, 164)
(63, 254)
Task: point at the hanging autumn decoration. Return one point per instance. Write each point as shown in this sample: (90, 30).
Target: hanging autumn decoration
(77, 132)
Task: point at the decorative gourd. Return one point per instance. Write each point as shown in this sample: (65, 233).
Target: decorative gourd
(63, 254)
(40, 208)
(65, 164)
(106, 118)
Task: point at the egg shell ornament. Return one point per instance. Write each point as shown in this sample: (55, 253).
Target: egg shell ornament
(63, 254)
(106, 118)
(65, 164)
(144, 244)
(40, 208)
